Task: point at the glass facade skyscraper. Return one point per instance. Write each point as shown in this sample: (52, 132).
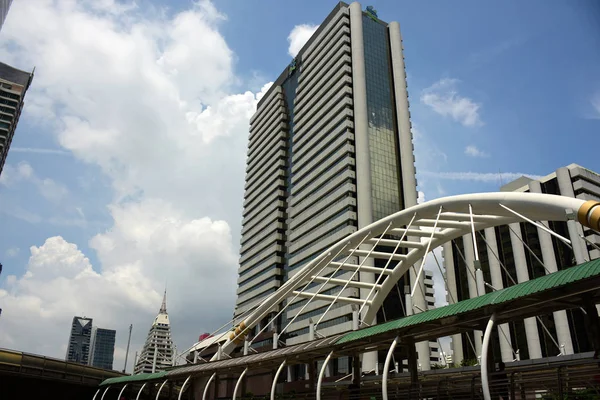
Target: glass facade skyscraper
(102, 348)
(79, 340)
(330, 151)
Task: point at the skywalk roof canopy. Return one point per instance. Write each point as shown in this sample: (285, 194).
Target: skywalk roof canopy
(561, 290)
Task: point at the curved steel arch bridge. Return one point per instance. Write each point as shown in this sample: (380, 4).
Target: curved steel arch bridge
(399, 242)
(404, 240)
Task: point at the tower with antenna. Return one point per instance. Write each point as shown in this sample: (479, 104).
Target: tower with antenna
(157, 353)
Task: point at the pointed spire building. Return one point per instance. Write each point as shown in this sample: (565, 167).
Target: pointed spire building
(157, 353)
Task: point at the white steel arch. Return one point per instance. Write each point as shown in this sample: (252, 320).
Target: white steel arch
(412, 233)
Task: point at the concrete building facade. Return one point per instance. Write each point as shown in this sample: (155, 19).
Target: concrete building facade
(157, 353)
(330, 151)
(13, 86)
(4, 7)
(78, 349)
(519, 252)
(102, 348)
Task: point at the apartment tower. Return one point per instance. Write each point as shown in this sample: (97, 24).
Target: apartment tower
(13, 85)
(330, 151)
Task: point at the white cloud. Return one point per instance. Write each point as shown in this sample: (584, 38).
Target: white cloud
(478, 176)
(13, 252)
(473, 151)
(148, 100)
(48, 188)
(299, 36)
(35, 150)
(443, 98)
(595, 101)
(149, 243)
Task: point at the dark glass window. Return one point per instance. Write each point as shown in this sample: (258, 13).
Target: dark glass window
(383, 146)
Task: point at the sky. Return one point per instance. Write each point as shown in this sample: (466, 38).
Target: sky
(126, 172)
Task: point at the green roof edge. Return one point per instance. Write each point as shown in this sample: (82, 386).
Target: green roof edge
(556, 279)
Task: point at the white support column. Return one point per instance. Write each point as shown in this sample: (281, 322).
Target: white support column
(561, 321)
(238, 383)
(457, 349)
(142, 388)
(419, 303)
(565, 185)
(496, 275)
(104, 394)
(386, 368)
(121, 392)
(531, 329)
(361, 124)
(321, 374)
(274, 385)
(212, 377)
(407, 159)
(157, 393)
(485, 384)
(469, 254)
(361, 140)
(180, 390)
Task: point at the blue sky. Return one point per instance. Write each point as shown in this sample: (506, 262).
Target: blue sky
(127, 165)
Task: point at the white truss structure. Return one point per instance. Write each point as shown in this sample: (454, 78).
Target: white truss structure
(407, 237)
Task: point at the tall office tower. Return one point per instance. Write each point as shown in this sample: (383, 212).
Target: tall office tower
(13, 85)
(330, 151)
(519, 252)
(157, 353)
(102, 348)
(4, 7)
(79, 340)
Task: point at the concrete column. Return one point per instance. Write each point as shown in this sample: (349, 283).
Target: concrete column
(419, 303)
(531, 329)
(496, 275)
(561, 321)
(565, 185)
(469, 253)
(457, 349)
(407, 160)
(361, 140)
(361, 123)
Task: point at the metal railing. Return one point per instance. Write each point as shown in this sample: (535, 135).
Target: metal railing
(576, 381)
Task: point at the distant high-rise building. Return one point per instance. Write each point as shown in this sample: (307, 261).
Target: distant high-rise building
(102, 348)
(13, 85)
(515, 253)
(4, 7)
(434, 345)
(157, 353)
(79, 341)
